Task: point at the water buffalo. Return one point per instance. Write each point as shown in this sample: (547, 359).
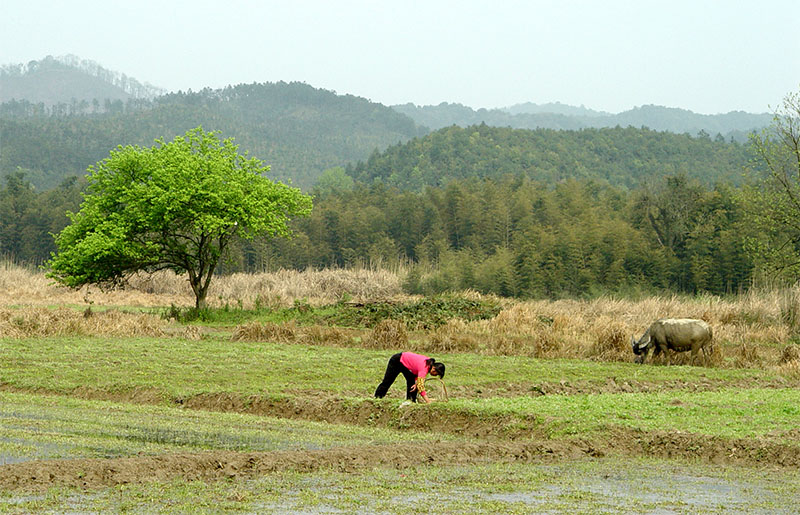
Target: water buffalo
(674, 334)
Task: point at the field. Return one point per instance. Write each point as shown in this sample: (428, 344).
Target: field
(123, 401)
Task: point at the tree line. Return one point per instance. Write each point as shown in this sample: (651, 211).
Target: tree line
(502, 229)
(509, 235)
(733, 125)
(627, 157)
(517, 237)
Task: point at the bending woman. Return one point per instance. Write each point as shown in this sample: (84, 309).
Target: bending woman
(414, 367)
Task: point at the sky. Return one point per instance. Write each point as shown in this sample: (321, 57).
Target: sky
(708, 56)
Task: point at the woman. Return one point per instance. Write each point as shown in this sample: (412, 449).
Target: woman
(414, 367)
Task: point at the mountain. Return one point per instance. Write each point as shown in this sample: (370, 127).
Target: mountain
(622, 157)
(553, 108)
(298, 130)
(68, 79)
(61, 115)
(736, 124)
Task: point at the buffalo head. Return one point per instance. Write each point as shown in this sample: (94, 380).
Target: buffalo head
(641, 347)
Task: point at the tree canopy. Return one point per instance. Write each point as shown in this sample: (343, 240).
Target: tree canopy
(174, 206)
(298, 129)
(775, 202)
(622, 157)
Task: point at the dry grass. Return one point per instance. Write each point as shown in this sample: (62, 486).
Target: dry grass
(749, 330)
(287, 332)
(316, 287)
(266, 332)
(790, 353)
(756, 329)
(191, 332)
(41, 322)
(388, 334)
(789, 370)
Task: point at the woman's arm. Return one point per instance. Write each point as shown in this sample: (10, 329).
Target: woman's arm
(420, 387)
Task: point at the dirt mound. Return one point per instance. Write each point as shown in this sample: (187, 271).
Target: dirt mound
(100, 473)
(329, 408)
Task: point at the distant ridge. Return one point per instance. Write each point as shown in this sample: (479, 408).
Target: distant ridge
(298, 130)
(553, 108)
(626, 157)
(64, 79)
(734, 125)
(60, 115)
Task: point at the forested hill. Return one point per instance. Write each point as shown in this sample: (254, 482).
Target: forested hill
(69, 80)
(623, 157)
(298, 130)
(735, 124)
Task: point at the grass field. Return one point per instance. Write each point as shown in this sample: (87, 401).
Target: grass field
(264, 403)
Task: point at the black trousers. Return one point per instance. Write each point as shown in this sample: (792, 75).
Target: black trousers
(393, 369)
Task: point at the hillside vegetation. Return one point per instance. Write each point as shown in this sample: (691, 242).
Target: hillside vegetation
(514, 212)
(733, 125)
(621, 157)
(60, 115)
(298, 130)
(69, 80)
(504, 234)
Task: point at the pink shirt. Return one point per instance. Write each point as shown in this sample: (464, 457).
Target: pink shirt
(415, 363)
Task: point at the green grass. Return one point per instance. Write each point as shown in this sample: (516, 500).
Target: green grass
(607, 486)
(180, 368)
(48, 427)
(755, 412)
(175, 369)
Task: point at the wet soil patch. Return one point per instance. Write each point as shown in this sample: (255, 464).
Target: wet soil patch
(498, 438)
(215, 465)
(612, 385)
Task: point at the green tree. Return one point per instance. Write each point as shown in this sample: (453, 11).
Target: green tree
(15, 201)
(334, 180)
(175, 206)
(776, 202)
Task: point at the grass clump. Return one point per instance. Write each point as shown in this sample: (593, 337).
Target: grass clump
(424, 314)
(266, 332)
(291, 332)
(790, 353)
(388, 334)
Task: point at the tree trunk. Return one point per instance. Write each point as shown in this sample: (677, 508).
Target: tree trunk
(200, 289)
(200, 300)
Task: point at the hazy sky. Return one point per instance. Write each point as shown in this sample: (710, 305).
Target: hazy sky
(708, 56)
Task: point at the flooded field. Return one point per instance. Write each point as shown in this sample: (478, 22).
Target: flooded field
(584, 486)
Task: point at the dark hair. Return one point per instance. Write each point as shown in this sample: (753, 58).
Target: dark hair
(434, 365)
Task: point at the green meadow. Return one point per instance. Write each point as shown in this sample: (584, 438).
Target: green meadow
(173, 416)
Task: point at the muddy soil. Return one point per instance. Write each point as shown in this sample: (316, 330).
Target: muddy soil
(37, 476)
(487, 439)
(611, 385)
(325, 406)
